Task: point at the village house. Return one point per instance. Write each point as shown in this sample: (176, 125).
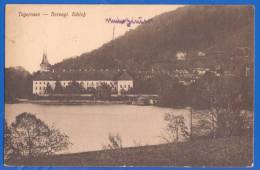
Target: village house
(119, 80)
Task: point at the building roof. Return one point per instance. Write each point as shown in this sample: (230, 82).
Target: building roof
(83, 75)
(124, 76)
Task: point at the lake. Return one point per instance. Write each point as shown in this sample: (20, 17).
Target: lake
(88, 126)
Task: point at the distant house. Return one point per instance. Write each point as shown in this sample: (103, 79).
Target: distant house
(200, 71)
(119, 81)
(181, 56)
(201, 54)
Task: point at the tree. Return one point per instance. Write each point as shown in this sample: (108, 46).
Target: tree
(173, 93)
(223, 97)
(31, 137)
(58, 88)
(175, 128)
(225, 106)
(115, 141)
(123, 92)
(103, 92)
(91, 90)
(130, 90)
(203, 90)
(74, 88)
(48, 89)
(147, 86)
(7, 142)
(113, 150)
(18, 83)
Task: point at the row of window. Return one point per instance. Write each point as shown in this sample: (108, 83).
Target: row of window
(36, 82)
(41, 82)
(88, 83)
(40, 88)
(121, 86)
(44, 88)
(97, 83)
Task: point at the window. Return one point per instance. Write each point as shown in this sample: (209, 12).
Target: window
(128, 85)
(40, 88)
(121, 86)
(125, 86)
(36, 82)
(35, 88)
(40, 82)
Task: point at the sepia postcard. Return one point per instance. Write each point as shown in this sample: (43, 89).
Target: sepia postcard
(129, 85)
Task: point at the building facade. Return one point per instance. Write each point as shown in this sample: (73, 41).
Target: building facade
(120, 82)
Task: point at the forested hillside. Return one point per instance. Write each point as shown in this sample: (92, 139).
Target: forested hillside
(190, 29)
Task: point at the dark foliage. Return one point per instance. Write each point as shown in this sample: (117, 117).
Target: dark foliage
(175, 128)
(31, 137)
(7, 142)
(150, 86)
(90, 90)
(49, 89)
(189, 29)
(18, 83)
(103, 92)
(58, 88)
(74, 88)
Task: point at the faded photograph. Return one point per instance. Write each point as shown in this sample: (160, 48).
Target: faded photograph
(129, 85)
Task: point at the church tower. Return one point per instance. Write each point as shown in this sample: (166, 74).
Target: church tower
(45, 65)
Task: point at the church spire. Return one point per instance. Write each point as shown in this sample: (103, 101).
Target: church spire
(44, 59)
(45, 65)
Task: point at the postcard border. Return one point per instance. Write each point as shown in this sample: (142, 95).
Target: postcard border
(256, 4)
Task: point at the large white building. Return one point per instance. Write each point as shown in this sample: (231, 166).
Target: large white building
(119, 81)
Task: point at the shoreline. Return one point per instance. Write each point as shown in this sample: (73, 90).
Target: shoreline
(85, 102)
(67, 102)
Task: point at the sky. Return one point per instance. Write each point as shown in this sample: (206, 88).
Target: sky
(32, 30)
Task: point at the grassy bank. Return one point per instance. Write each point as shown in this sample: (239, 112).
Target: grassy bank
(234, 151)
